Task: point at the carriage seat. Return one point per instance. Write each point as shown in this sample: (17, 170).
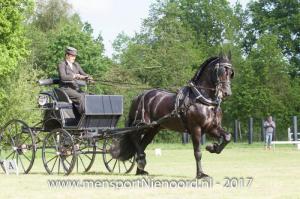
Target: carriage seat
(69, 113)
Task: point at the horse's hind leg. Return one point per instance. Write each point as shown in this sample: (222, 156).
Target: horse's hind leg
(196, 137)
(141, 156)
(141, 160)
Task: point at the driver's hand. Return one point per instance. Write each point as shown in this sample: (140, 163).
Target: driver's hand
(83, 77)
(77, 76)
(90, 79)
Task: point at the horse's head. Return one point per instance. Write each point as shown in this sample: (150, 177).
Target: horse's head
(222, 75)
(214, 76)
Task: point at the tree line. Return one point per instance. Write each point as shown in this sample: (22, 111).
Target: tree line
(176, 37)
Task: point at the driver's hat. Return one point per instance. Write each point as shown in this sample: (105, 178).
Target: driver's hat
(71, 51)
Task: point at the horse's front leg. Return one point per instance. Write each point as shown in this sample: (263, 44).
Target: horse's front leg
(223, 137)
(196, 138)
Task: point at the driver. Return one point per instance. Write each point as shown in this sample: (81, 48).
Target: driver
(70, 71)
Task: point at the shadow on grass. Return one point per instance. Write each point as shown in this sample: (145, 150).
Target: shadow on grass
(106, 174)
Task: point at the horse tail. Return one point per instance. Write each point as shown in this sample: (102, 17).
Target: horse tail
(125, 148)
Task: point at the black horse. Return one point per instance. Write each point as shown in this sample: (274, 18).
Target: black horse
(195, 109)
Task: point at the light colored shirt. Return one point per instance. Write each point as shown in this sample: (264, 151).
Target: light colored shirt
(70, 64)
(269, 126)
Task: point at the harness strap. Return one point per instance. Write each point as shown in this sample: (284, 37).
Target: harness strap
(203, 99)
(182, 109)
(142, 105)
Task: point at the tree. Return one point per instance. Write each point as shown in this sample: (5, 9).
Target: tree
(12, 44)
(278, 17)
(21, 95)
(90, 51)
(12, 37)
(212, 21)
(263, 86)
(165, 46)
(50, 14)
(54, 27)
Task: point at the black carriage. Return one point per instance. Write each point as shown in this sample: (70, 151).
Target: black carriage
(67, 139)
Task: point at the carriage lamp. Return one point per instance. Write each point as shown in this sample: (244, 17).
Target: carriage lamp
(43, 99)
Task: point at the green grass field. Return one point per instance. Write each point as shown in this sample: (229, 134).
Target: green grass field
(276, 174)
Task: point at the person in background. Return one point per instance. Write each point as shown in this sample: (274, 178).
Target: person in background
(269, 126)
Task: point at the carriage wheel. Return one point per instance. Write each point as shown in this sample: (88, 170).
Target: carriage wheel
(58, 153)
(17, 143)
(86, 153)
(114, 165)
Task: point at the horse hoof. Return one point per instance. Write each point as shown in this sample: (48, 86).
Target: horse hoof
(141, 172)
(202, 175)
(210, 148)
(213, 148)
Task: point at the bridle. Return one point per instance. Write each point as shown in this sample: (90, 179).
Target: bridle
(218, 71)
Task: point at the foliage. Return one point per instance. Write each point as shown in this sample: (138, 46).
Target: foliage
(12, 40)
(55, 20)
(176, 37)
(12, 49)
(281, 18)
(21, 96)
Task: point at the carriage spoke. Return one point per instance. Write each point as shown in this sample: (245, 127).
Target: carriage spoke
(83, 148)
(16, 128)
(82, 163)
(16, 140)
(124, 165)
(26, 157)
(24, 141)
(54, 164)
(67, 162)
(114, 165)
(12, 141)
(50, 152)
(109, 160)
(56, 145)
(22, 163)
(59, 159)
(77, 165)
(10, 154)
(14, 155)
(51, 159)
(119, 166)
(88, 156)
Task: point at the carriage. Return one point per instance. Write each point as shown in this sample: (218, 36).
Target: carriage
(67, 139)
(72, 141)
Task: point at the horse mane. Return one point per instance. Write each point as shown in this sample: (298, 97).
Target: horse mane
(202, 68)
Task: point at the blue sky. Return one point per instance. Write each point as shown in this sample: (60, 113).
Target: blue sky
(110, 17)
